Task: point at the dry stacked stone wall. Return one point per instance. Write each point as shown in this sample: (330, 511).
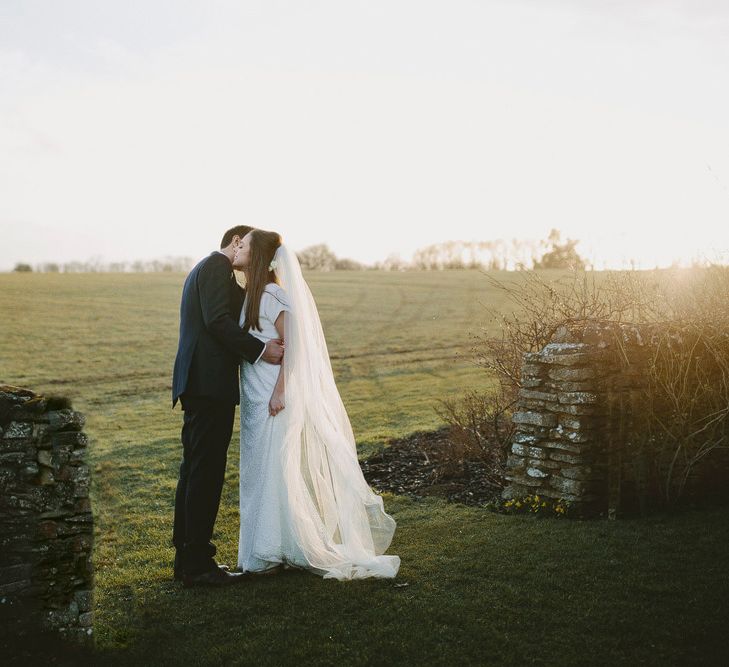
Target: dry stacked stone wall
(573, 415)
(46, 525)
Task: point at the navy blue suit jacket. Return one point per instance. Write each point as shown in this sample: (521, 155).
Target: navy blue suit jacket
(212, 343)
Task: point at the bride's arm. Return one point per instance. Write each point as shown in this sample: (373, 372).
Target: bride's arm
(276, 404)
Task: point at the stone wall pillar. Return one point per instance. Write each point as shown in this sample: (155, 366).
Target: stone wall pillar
(574, 417)
(46, 525)
(556, 449)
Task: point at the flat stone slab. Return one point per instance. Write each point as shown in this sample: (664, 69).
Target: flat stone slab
(534, 419)
(565, 348)
(537, 395)
(578, 397)
(572, 374)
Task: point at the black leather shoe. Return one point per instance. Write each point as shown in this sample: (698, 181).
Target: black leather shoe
(178, 576)
(215, 577)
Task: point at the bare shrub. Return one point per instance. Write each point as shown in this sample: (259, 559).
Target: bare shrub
(480, 422)
(480, 430)
(681, 417)
(684, 412)
(543, 306)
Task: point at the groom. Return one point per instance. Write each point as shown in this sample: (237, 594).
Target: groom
(205, 381)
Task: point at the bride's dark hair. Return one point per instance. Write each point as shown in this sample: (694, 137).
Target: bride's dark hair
(262, 249)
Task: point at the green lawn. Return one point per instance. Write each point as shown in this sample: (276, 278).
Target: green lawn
(398, 341)
(482, 588)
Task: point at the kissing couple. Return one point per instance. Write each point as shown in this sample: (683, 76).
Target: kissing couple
(304, 502)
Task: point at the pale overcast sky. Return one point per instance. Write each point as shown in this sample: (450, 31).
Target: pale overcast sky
(139, 129)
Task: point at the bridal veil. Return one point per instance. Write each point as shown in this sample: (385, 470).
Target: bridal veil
(340, 523)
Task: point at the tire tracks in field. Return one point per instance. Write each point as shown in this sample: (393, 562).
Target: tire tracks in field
(375, 374)
(341, 313)
(398, 309)
(103, 379)
(390, 353)
(97, 390)
(382, 362)
(338, 318)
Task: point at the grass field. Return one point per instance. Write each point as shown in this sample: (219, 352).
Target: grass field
(398, 341)
(482, 588)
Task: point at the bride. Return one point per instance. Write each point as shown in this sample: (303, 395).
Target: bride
(303, 499)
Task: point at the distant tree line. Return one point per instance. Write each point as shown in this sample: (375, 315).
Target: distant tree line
(497, 255)
(501, 255)
(320, 258)
(94, 265)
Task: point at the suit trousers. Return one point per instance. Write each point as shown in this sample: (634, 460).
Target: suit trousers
(206, 433)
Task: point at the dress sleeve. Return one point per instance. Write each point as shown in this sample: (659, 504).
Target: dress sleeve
(275, 302)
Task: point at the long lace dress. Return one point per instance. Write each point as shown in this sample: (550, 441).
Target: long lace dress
(265, 536)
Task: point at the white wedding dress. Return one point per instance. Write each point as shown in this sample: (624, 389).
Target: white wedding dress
(303, 499)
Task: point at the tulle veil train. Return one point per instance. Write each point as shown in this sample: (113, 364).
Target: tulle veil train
(339, 523)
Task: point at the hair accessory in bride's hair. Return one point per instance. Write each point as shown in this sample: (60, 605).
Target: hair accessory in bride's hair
(272, 265)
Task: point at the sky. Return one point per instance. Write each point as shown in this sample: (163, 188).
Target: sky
(138, 129)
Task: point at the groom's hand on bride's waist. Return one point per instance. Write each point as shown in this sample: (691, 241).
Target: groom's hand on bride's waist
(274, 351)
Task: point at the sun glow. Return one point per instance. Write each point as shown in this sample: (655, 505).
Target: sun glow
(524, 119)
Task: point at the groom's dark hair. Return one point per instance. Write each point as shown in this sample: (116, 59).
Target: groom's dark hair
(240, 230)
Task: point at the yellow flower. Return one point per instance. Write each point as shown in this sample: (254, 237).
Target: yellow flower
(518, 504)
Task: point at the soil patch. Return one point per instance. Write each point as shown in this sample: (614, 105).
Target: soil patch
(416, 466)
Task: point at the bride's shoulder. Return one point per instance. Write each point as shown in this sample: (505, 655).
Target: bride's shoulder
(274, 300)
(276, 291)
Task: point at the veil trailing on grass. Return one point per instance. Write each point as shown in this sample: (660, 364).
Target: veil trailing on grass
(340, 523)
